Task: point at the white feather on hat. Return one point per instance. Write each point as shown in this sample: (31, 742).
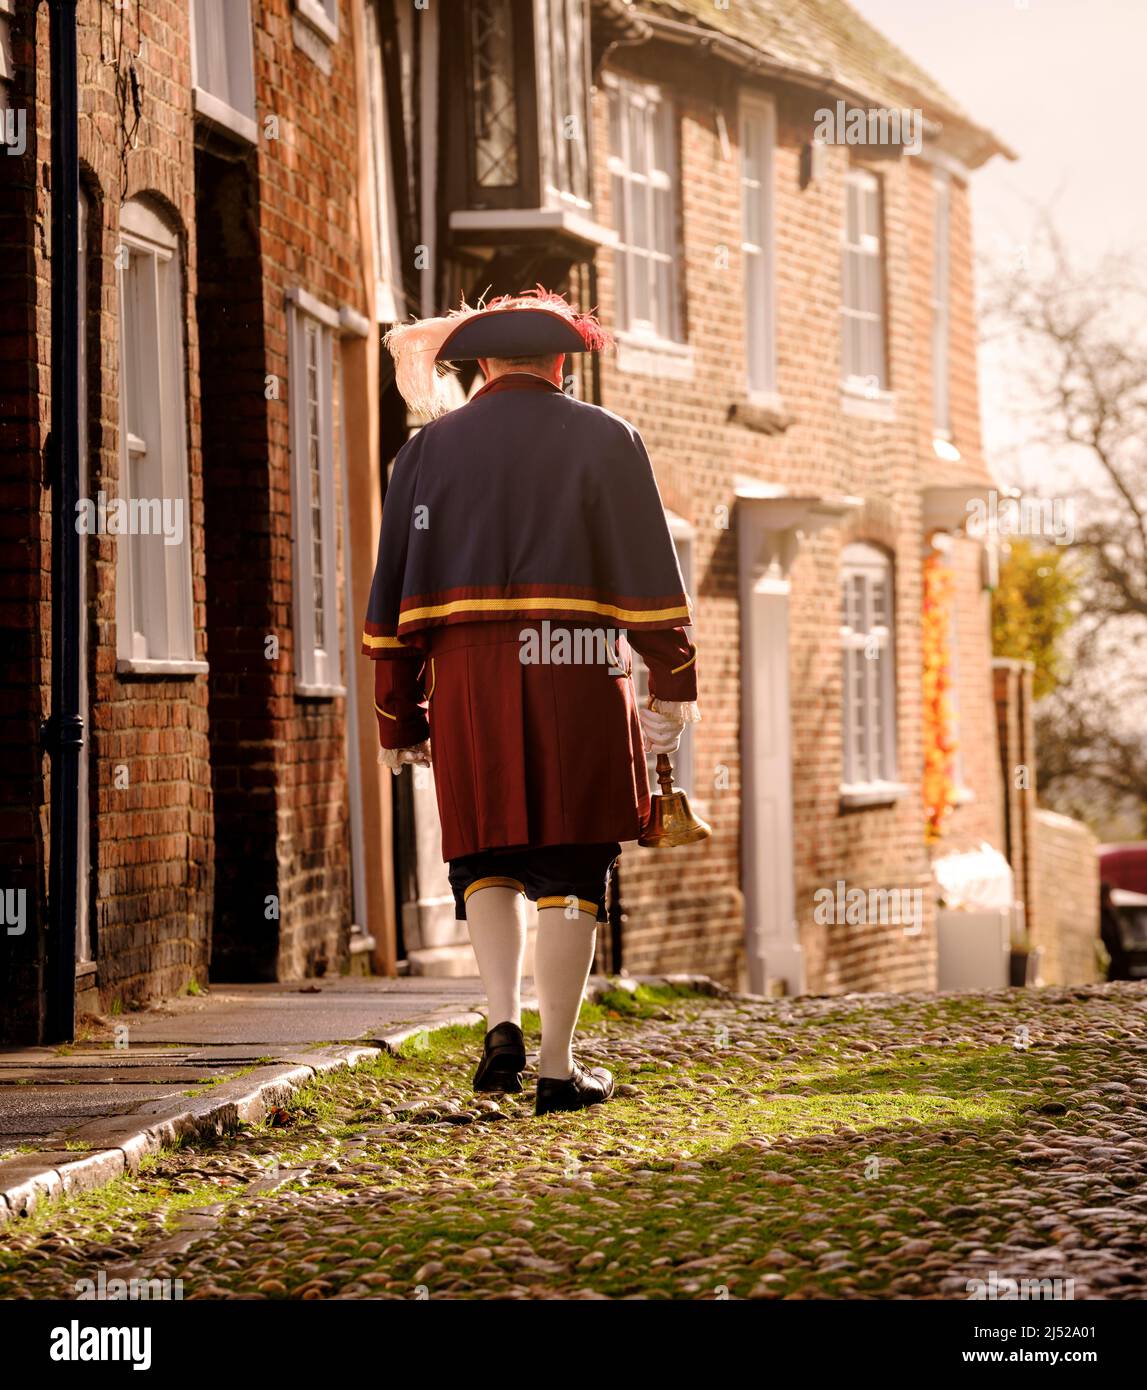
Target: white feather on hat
(414, 347)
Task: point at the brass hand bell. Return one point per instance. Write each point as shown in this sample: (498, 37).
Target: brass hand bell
(671, 822)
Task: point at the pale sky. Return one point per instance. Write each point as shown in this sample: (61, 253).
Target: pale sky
(1061, 83)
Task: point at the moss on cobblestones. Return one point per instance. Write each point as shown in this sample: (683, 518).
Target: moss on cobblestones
(890, 1147)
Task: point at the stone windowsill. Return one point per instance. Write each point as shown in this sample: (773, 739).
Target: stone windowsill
(642, 355)
(306, 691)
(859, 400)
(225, 118)
(857, 797)
(148, 666)
(765, 414)
(313, 14)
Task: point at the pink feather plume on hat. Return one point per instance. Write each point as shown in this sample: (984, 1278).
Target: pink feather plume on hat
(414, 346)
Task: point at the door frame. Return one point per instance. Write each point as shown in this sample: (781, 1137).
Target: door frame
(771, 524)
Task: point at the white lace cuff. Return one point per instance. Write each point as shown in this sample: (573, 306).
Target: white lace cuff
(684, 711)
(397, 758)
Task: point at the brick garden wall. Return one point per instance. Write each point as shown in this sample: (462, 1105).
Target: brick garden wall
(685, 909)
(1067, 891)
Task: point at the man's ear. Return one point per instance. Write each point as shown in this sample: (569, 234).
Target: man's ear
(484, 365)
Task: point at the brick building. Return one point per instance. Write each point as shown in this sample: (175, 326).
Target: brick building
(266, 186)
(797, 344)
(228, 386)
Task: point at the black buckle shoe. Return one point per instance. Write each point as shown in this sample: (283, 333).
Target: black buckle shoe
(585, 1087)
(503, 1060)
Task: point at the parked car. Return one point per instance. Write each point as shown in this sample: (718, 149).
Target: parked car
(1123, 929)
(1124, 866)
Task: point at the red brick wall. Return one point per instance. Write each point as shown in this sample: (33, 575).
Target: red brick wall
(152, 839)
(280, 760)
(684, 908)
(309, 239)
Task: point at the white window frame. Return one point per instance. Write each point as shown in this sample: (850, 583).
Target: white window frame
(553, 44)
(941, 306)
(221, 35)
(868, 727)
(155, 631)
(864, 371)
(390, 303)
(663, 325)
(322, 16)
(682, 534)
(759, 117)
(317, 662)
(959, 781)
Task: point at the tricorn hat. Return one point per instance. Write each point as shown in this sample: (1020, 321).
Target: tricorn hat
(514, 331)
(534, 324)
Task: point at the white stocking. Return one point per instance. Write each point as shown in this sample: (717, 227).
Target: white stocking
(563, 956)
(496, 922)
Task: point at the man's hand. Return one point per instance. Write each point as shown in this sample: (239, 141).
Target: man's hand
(398, 758)
(660, 732)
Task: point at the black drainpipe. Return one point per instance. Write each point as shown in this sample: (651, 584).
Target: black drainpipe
(64, 731)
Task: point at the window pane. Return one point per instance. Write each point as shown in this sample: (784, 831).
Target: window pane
(389, 299)
(615, 125)
(871, 200)
(618, 200)
(662, 138)
(639, 265)
(753, 223)
(852, 355)
(141, 351)
(639, 207)
(314, 446)
(848, 280)
(638, 139)
(663, 282)
(750, 150)
(851, 214)
(879, 603)
(224, 63)
(492, 84)
(663, 213)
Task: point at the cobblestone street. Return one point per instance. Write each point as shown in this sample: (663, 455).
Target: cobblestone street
(846, 1147)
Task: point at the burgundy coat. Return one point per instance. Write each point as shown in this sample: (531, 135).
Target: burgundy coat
(532, 752)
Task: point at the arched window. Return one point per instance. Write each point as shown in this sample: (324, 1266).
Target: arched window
(151, 515)
(869, 674)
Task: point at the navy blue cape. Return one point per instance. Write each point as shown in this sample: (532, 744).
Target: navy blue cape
(523, 503)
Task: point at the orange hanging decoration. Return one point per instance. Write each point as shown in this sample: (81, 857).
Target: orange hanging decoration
(939, 738)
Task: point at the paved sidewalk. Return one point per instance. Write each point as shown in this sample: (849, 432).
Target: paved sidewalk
(77, 1116)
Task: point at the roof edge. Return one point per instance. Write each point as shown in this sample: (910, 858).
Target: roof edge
(978, 146)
